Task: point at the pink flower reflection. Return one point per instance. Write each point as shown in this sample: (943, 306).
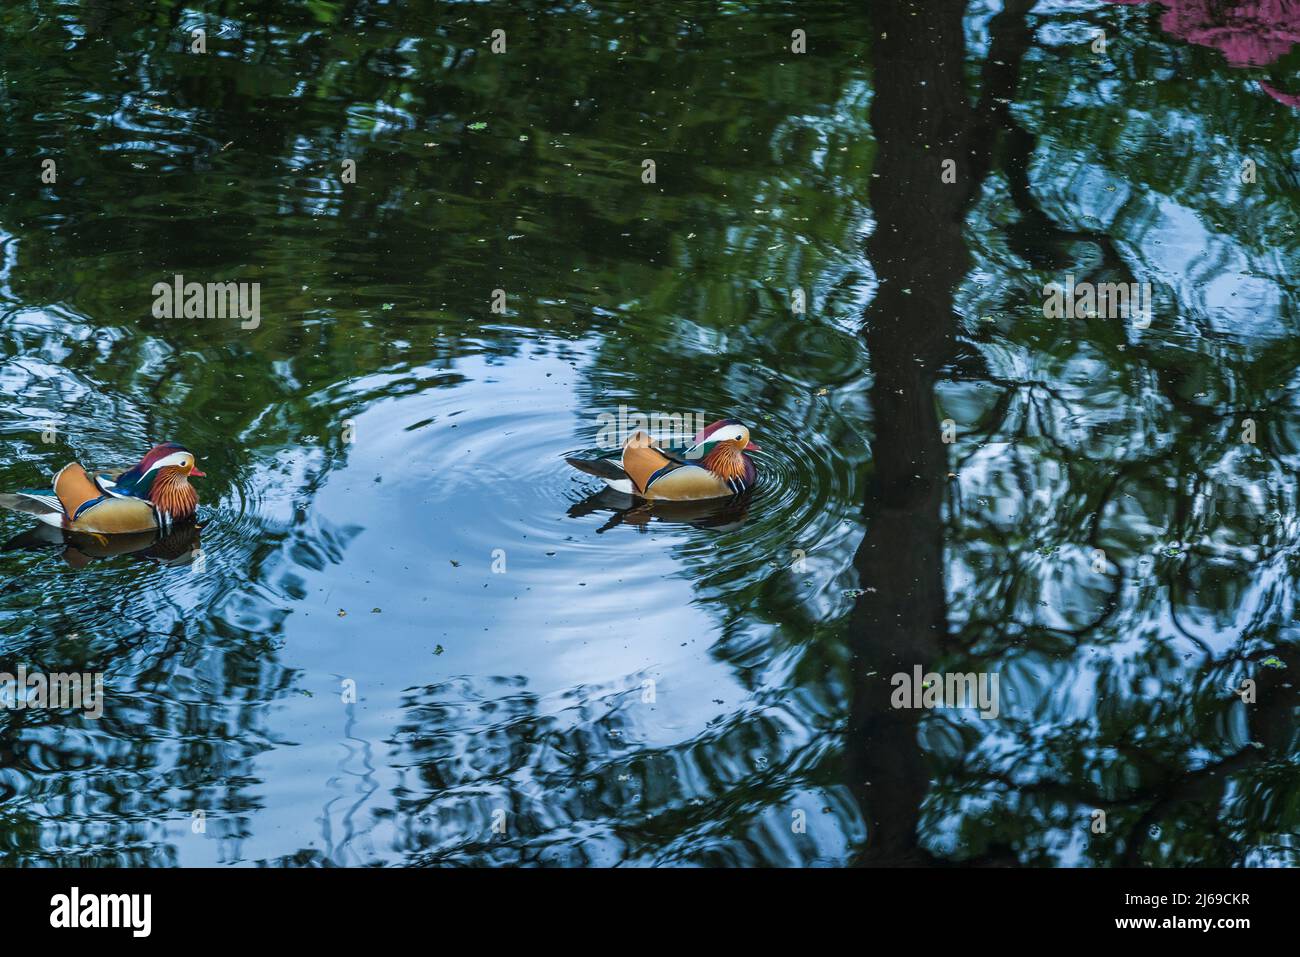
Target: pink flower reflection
(1248, 32)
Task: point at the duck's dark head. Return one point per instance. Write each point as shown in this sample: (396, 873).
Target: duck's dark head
(721, 448)
(163, 478)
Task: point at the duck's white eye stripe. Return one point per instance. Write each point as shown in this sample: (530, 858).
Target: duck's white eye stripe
(176, 458)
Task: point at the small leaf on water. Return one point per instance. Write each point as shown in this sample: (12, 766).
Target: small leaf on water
(1273, 661)
(478, 126)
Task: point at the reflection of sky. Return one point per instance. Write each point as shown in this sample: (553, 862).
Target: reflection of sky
(1214, 279)
(1219, 283)
(603, 615)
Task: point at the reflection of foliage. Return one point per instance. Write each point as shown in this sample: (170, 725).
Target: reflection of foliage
(567, 781)
(1122, 677)
(1183, 774)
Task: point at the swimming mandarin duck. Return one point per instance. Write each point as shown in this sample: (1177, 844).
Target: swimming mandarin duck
(715, 465)
(154, 494)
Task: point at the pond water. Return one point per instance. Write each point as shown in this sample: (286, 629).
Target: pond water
(408, 633)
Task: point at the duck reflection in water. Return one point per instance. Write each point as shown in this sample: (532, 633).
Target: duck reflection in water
(178, 546)
(625, 509)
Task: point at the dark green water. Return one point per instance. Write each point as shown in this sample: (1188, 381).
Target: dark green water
(649, 686)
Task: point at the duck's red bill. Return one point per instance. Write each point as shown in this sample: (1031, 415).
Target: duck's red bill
(753, 447)
(195, 473)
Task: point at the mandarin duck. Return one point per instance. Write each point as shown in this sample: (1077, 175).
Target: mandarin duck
(155, 494)
(713, 466)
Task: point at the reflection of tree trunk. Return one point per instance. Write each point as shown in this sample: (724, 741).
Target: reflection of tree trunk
(921, 116)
